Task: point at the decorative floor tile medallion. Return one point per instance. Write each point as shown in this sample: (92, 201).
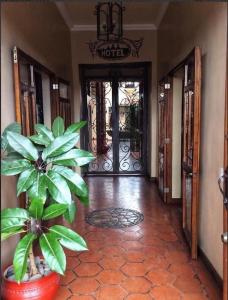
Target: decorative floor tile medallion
(114, 218)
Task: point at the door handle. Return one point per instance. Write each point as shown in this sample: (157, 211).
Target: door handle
(224, 237)
(221, 179)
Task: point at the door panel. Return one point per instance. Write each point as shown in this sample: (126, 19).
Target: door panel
(130, 110)
(225, 193)
(28, 97)
(115, 122)
(191, 148)
(60, 98)
(99, 109)
(165, 139)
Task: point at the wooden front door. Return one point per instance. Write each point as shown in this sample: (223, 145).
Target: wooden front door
(191, 147)
(165, 139)
(115, 107)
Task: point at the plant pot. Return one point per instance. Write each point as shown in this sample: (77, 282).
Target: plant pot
(44, 288)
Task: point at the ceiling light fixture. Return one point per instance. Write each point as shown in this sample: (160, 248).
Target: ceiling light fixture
(110, 43)
(109, 20)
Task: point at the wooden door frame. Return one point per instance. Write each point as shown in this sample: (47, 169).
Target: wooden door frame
(147, 66)
(166, 195)
(192, 236)
(196, 165)
(18, 55)
(54, 93)
(196, 152)
(225, 211)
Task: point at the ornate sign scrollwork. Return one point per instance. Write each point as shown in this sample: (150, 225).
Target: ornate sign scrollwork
(113, 50)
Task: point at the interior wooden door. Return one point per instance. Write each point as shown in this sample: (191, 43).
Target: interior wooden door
(28, 101)
(191, 148)
(25, 93)
(225, 227)
(165, 139)
(224, 179)
(60, 98)
(28, 93)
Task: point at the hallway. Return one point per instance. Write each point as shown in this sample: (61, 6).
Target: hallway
(146, 261)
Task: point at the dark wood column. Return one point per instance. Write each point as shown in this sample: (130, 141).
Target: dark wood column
(100, 116)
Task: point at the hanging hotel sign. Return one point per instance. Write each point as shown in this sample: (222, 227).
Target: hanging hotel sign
(113, 50)
(110, 43)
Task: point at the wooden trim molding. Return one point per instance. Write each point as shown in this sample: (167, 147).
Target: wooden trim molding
(196, 151)
(16, 85)
(126, 27)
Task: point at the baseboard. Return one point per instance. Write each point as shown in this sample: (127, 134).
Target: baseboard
(153, 179)
(210, 268)
(176, 201)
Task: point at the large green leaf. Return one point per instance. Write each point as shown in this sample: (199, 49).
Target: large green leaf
(13, 156)
(25, 180)
(69, 214)
(21, 255)
(53, 253)
(68, 238)
(66, 159)
(14, 127)
(60, 145)
(36, 209)
(45, 132)
(54, 211)
(84, 199)
(13, 219)
(75, 127)
(38, 191)
(58, 126)
(22, 145)
(14, 167)
(39, 140)
(6, 235)
(58, 188)
(74, 157)
(76, 183)
(83, 157)
(4, 142)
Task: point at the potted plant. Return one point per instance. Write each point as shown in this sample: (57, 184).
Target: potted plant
(44, 164)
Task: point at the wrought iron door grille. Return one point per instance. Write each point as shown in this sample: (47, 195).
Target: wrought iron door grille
(114, 101)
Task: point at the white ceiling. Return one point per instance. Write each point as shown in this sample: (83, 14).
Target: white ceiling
(145, 15)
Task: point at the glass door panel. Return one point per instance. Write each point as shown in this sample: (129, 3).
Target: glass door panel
(99, 107)
(114, 101)
(130, 107)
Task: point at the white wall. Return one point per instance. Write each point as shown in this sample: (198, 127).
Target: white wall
(203, 24)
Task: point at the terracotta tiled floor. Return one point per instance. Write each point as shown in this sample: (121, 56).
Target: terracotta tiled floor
(146, 261)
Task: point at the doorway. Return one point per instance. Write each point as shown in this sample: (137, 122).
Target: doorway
(115, 107)
(179, 141)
